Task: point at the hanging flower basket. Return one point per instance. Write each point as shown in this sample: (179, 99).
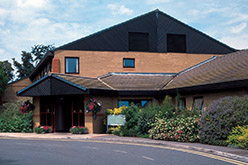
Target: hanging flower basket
(94, 106)
(26, 107)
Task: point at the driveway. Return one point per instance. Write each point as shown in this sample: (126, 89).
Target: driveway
(24, 151)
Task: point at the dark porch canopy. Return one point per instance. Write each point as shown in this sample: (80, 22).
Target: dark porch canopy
(52, 85)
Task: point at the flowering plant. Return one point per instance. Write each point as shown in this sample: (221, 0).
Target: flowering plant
(182, 129)
(78, 130)
(42, 129)
(26, 107)
(116, 111)
(93, 106)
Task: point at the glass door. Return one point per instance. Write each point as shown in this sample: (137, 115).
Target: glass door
(77, 111)
(46, 112)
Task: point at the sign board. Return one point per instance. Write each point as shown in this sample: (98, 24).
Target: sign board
(115, 120)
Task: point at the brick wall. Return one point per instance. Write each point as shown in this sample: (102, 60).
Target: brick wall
(10, 94)
(36, 112)
(209, 97)
(96, 63)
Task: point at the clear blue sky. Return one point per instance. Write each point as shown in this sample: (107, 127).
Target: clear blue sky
(24, 23)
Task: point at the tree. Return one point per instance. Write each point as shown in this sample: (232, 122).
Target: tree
(6, 75)
(30, 59)
(39, 52)
(26, 67)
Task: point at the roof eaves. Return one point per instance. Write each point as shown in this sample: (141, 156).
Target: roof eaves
(49, 54)
(33, 84)
(207, 84)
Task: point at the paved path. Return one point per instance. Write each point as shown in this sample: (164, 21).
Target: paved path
(234, 153)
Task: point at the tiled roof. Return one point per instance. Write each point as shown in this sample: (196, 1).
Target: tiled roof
(86, 82)
(136, 81)
(231, 67)
(122, 81)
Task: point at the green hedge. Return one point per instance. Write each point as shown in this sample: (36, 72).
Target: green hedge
(11, 120)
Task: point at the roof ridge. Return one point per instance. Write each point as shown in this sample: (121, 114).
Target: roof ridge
(52, 73)
(141, 73)
(197, 65)
(99, 79)
(104, 76)
(164, 83)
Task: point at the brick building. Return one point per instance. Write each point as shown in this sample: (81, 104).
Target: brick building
(141, 60)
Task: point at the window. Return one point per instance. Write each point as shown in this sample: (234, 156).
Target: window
(71, 65)
(140, 103)
(182, 103)
(128, 62)
(176, 43)
(138, 41)
(198, 103)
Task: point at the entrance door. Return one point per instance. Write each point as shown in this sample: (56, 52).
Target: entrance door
(63, 114)
(46, 112)
(77, 111)
(59, 116)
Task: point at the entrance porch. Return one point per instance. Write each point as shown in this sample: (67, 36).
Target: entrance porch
(62, 112)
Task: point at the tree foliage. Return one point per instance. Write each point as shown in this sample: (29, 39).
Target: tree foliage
(26, 67)
(39, 51)
(6, 75)
(30, 59)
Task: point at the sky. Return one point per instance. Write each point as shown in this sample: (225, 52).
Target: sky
(25, 23)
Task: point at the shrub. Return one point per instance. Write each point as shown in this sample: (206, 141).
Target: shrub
(114, 130)
(182, 129)
(130, 128)
(146, 118)
(138, 121)
(12, 120)
(221, 117)
(167, 110)
(42, 129)
(78, 130)
(239, 137)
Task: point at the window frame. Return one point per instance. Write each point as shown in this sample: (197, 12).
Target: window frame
(135, 101)
(78, 65)
(135, 50)
(202, 104)
(182, 100)
(128, 59)
(176, 51)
